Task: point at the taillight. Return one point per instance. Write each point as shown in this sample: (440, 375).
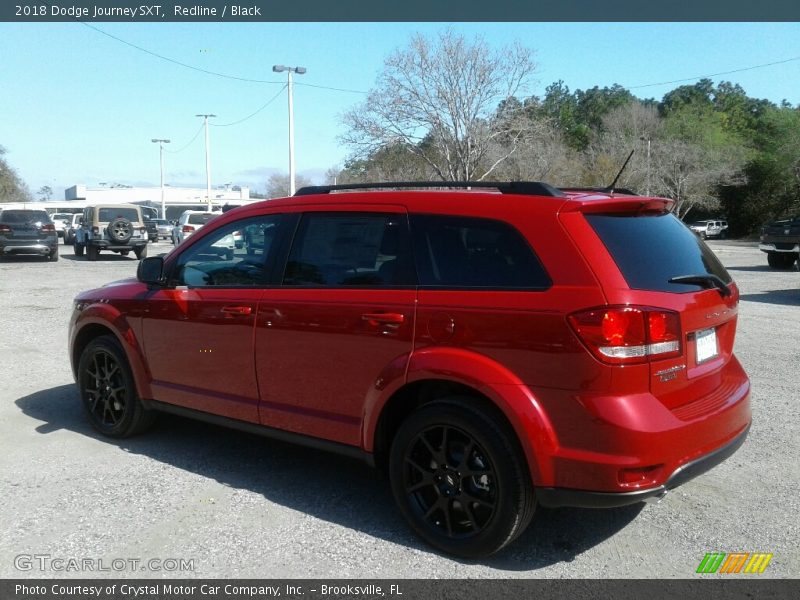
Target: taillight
(188, 229)
(628, 334)
(4, 228)
(48, 227)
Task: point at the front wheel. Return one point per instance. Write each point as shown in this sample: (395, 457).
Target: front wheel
(460, 479)
(108, 392)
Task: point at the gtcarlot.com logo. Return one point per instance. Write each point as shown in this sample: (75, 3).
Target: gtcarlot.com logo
(73, 564)
(734, 562)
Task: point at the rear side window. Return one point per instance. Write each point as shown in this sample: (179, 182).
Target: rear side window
(467, 252)
(350, 249)
(652, 249)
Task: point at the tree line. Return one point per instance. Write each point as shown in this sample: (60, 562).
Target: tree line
(448, 108)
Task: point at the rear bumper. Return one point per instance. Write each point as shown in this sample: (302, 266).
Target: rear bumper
(28, 247)
(106, 245)
(767, 247)
(556, 497)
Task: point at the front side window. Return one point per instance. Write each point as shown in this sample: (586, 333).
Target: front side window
(215, 261)
(350, 249)
(468, 252)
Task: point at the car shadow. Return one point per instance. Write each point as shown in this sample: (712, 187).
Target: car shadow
(753, 268)
(24, 258)
(102, 257)
(789, 297)
(311, 481)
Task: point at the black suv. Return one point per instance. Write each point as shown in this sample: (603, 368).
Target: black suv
(28, 232)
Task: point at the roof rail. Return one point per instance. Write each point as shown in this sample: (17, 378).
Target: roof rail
(526, 188)
(602, 190)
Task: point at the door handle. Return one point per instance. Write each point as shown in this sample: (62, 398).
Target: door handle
(236, 310)
(388, 318)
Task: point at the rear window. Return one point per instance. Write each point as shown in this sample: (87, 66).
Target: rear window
(24, 216)
(201, 218)
(106, 215)
(652, 249)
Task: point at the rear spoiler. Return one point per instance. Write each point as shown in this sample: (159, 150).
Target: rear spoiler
(618, 204)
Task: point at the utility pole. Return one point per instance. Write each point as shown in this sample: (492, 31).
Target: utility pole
(208, 161)
(161, 162)
(299, 71)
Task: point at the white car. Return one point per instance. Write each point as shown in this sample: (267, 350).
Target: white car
(711, 228)
(192, 221)
(61, 222)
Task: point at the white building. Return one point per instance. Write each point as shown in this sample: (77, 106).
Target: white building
(177, 199)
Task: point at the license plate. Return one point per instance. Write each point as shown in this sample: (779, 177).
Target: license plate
(705, 345)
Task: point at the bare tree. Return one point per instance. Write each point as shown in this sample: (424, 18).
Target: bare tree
(438, 99)
(278, 184)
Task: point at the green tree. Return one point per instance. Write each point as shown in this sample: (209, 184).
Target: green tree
(12, 188)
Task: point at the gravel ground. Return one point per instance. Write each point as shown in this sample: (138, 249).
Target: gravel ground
(242, 506)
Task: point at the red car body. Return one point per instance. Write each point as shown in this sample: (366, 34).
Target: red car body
(346, 365)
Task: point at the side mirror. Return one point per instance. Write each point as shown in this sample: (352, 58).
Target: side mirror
(151, 270)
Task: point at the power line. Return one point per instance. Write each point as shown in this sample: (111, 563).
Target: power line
(270, 101)
(770, 64)
(206, 71)
(189, 143)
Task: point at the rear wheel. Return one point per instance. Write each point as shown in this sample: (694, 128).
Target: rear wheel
(460, 479)
(140, 252)
(53, 256)
(91, 252)
(781, 260)
(78, 249)
(108, 392)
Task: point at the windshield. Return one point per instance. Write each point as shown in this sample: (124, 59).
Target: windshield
(109, 214)
(24, 216)
(201, 218)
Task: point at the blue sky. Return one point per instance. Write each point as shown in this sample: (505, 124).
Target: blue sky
(79, 107)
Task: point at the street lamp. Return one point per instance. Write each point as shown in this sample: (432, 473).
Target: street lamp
(161, 162)
(299, 71)
(208, 162)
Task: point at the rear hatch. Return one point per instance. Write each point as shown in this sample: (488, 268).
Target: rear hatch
(26, 225)
(784, 234)
(648, 261)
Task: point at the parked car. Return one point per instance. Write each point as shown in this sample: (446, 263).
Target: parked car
(781, 241)
(191, 221)
(498, 349)
(164, 228)
(116, 227)
(71, 227)
(710, 228)
(28, 232)
(152, 229)
(60, 222)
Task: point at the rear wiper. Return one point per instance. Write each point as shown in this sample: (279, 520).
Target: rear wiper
(706, 280)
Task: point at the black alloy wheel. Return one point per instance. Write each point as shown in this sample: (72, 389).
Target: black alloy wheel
(108, 392)
(459, 478)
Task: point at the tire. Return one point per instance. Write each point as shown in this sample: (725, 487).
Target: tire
(140, 252)
(781, 260)
(53, 256)
(120, 231)
(108, 391)
(91, 252)
(78, 249)
(466, 515)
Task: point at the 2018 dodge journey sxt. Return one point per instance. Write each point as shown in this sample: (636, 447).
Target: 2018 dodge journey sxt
(494, 347)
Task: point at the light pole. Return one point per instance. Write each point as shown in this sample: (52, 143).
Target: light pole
(299, 71)
(208, 162)
(647, 139)
(161, 162)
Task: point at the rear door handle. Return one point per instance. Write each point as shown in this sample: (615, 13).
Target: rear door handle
(390, 318)
(237, 310)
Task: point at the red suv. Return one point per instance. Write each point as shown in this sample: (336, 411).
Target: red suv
(493, 349)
